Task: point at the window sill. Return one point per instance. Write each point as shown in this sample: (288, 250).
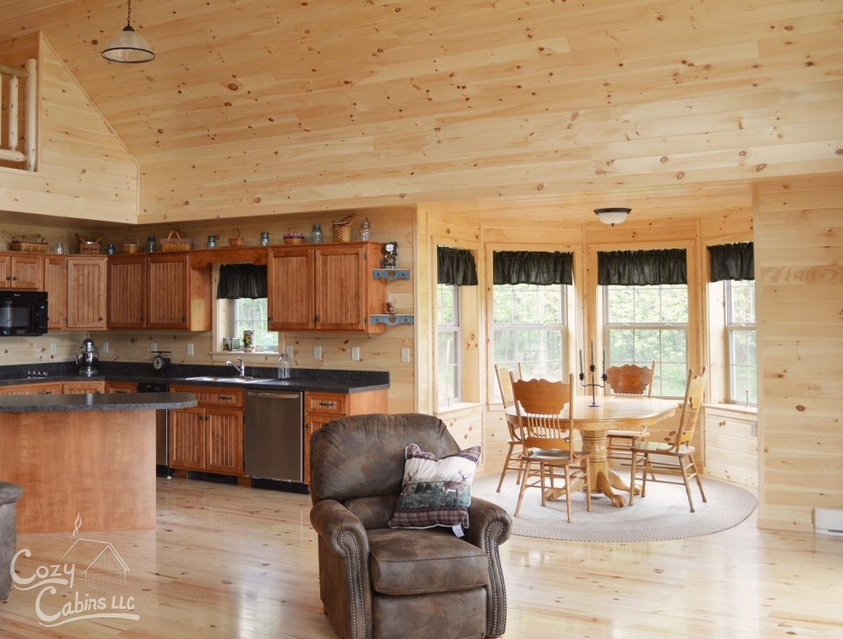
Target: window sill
(735, 408)
(457, 408)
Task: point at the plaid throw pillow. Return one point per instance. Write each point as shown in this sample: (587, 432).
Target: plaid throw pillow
(435, 492)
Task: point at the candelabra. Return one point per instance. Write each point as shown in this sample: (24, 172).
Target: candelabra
(593, 385)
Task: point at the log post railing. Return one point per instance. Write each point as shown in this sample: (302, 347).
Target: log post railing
(10, 78)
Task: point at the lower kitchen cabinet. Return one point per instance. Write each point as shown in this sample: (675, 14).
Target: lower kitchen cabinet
(49, 388)
(209, 437)
(82, 388)
(321, 408)
(121, 388)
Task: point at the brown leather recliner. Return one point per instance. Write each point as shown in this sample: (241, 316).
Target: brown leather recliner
(381, 583)
(9, 496)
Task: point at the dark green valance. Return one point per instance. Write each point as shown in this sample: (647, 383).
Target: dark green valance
(732, 261)
(455, 266)
(532, 267)
(642, 268)
(241, 281)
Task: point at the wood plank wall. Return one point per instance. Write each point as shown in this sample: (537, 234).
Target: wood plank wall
(84, 170)
(799, 278)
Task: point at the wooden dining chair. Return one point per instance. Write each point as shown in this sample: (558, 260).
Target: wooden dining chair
(549, 452)
(631, 381)
(676, 458)
(513, 461)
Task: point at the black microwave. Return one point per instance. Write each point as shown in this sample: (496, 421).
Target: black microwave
(23, 313)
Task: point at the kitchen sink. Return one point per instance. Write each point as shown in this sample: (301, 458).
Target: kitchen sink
(226, 380)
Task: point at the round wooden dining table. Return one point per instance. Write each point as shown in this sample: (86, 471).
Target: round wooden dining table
(624, 413)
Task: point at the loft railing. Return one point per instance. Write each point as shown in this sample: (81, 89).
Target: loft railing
(10, 138)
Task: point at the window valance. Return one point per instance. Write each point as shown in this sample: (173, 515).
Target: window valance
(532, 267)
(642, 268)
(455, 266)
(241, 281)
(732, 261)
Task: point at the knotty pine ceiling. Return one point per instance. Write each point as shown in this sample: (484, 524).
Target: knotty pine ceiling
(257, 107)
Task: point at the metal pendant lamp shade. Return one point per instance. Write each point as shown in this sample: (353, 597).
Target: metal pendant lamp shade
(128, 46)
(612, 215)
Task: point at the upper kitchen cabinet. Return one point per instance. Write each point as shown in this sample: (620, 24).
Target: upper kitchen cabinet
(158, 291)
(86, 289)
(326, 288)
(55, 284)
(21, 271)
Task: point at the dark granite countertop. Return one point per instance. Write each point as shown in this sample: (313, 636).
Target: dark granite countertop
(63, 403)
(301, 379)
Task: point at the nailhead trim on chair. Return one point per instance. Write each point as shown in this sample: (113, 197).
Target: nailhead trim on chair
(495, 574)
(358, 592)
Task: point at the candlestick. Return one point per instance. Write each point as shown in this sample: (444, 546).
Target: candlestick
(582, 368)
(591, 361)
(593, 385)
(604, 361)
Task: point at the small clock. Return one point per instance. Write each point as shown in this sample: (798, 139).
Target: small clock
(160, 363)
(390, 255)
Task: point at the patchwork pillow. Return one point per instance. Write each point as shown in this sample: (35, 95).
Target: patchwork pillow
(435, 492)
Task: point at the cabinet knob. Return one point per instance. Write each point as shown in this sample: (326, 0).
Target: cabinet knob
(183, 318)
(316, 319)
(100, 319)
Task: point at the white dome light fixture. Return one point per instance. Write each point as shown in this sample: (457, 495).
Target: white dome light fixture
(128, 46)
(612, 216)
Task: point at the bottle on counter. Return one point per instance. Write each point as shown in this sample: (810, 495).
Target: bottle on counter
(284, 367)
(150, 244)
(316, 234)
(365, 231)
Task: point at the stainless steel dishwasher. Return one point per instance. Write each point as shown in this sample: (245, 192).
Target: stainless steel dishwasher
(274, 435)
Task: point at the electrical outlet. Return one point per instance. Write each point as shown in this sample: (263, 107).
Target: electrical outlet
(104, 348)
(289, 351)
(405, 355)
(153, 347)
(190, 349)
(53, 348)
(355, 353)
(317, 353)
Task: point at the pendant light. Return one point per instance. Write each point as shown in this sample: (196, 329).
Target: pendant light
(612, 215)
(128, 46)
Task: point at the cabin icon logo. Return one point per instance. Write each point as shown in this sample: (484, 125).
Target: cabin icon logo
(88, 566)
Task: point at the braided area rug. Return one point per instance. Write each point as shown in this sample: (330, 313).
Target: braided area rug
(661, 516)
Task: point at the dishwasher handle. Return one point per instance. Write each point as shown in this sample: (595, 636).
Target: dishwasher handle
(274, 395)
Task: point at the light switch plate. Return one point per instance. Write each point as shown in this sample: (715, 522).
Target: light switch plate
(153, 347)
(104, 347)
(190, 349)
(355, 353)
(289, 351)
(317, 353)
(53, 348)
(405, 355)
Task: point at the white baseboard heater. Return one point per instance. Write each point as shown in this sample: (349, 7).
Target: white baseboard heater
(828, 521)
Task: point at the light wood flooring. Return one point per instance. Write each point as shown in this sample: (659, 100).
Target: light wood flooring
(232, 562)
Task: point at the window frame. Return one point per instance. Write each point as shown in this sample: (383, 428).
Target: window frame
(454, 329)
(632, 326)
(235, 321)
(731, 328)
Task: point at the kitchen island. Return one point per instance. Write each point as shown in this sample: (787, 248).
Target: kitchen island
(84, 460)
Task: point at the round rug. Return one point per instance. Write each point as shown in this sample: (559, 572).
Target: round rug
(661, 516)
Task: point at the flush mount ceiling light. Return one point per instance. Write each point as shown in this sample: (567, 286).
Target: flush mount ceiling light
(612, 215)
(128, 46)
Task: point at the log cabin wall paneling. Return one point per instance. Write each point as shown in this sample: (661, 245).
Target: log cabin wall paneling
(84, 170)
(262, 108)
(799, 280)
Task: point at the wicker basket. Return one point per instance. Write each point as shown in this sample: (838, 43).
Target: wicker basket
(293, 239)
(175, 242)
(89, 247)
(29, 247)
(130, 246)
(342, 231)
(236, 241)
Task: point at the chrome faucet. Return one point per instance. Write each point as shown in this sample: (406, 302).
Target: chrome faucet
(241, 368)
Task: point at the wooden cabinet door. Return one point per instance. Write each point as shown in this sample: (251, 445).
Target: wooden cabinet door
(187, 438)
(121, 388)
(82, 388)
(127, 291)
(312, 423)
(5, 272)
(340, 288)
(224, 440)
(27, 272)
(167, 298)
(290, 289)
(55, 284)
(32, 389)
(86, 292)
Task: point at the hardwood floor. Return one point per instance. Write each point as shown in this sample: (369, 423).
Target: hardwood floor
(232, 562)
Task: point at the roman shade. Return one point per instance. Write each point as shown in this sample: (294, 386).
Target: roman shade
(532, 267)
(241, 281)
(642, 268)
(455, 266)
(732, 261)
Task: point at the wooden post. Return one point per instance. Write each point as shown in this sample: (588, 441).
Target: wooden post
(31, 114)
(1, 102)
(13, 113)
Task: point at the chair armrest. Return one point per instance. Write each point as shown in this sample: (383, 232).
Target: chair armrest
(489, 526)
(332, 522)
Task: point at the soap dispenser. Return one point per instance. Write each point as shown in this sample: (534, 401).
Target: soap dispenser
(283, 367)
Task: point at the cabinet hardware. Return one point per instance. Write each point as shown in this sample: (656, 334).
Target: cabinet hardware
(226, 398)
(316, 319)
(15, 278)
(100, 319)
(327, 404)
(183, 318)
